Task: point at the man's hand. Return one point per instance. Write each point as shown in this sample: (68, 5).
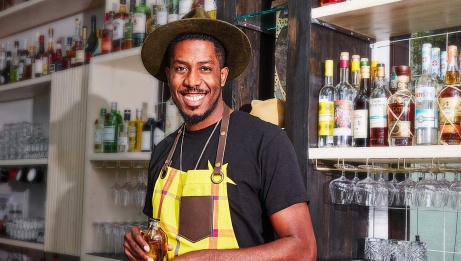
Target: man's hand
(136, 247)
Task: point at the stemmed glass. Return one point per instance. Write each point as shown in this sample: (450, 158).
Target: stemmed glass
(125, 191)
(385, 191)
(141, 190)
(427, 189)
(116, 189)
(454, 191)
(406, 195)
(341, 189)
(365, 189)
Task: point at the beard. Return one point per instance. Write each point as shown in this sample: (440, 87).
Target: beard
(196, 118)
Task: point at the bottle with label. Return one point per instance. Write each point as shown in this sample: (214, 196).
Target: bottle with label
(378, 109)
(2, 63)
(450, 102)
(99, 131)
(123, 134)
(92, 42)
(162, 14)
(173, 10)
(435, 64)
(426, 113)
(401, 111)
(135, 132)
(342, 132)
(14, 69)
(75, 40)
(361, 123)
(22, 61)
(157, 240)
(120, 19)
(107, 34)
(28, 62)
(58, 60)
(393, 81)
(355, 74)
(80, 50)
(67, 60)
(443, 65)
(49, 55)
(111, 129)
(128, 30)
(7, 69)
(141, 15)
(40, 57)
(326, 108)
(147, 143)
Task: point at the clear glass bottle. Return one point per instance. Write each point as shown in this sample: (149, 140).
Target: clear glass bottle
(361, 123)
(355, 74)
(123, 132)
(401, 111)
(435, 63)
(326, 108)
(39, 57)
(14, 69)
(157, 240)
(378, 109)
(75, 40)
(50, 55)
(80, 50)
(141, 15)
(107, 31)
(111, 129)
(99, 131)
(342, 132)
(426, 115)
(128, 30)
(443, 65)
(450, 101)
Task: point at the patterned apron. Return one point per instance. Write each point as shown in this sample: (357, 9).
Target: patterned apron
(193, 206)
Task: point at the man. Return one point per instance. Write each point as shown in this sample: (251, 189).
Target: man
(226, 185)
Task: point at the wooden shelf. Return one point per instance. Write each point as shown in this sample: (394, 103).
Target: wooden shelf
(19, 243)
(18, 18)
(411, 154)
(382, 19)
(23, 162)
(129, 60)
(25, 89)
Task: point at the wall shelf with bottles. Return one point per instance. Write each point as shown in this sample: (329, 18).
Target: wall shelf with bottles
(18, 18)
(25, 89)
(23, 162)
(382, 19)
(129, 60)
(19, 243)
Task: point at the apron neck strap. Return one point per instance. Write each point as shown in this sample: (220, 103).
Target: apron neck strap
(219, 153)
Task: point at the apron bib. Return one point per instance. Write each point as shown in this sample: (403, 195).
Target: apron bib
(193, 206)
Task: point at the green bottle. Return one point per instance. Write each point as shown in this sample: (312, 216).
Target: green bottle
(111, 129)
(141, 15)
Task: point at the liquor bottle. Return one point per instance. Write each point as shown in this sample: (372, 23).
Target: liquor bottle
(107, 35)
(361, 122)
(162, 14)
(210, 8)
(58, 60)
(139, 126)
(123, 134)
(355, 74)
(2, 63)
(393, 81)
(98, 49)
(75, 40)
(435, 63)
(128, 30)
(173, 10)
(49, 55)
(443, 64)
(373, 65)
(111, 129)
(30, 68)
(401, 111)
(14, 69)
(22, 61)
(67, 61)
(326, 108)
(378, 109)
(80, 50)
(142, 13)
(40, 57)
(147, 143)
(327, 2)
(342, 132)
(426, 115)
(28, 54)
(99, 131)
(159, 130)
(7, 70)
(450, 101)
(120, 19)
(92, 42)
(135, 133)
(186, 5)
(157, 240)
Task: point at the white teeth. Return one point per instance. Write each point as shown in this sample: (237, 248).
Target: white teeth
(193, 97)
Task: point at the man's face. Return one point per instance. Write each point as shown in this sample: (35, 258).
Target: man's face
(195, 80)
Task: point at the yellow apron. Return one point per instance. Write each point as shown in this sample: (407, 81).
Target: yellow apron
(193, 206)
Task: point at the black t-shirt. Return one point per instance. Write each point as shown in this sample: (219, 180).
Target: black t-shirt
(261, 161)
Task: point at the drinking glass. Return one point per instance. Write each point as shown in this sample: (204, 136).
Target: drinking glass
(341, 189)
(406, 194)
(428, 188)
(373, 248)
(385, 191)
(115, 190)
(125, 191)
(141, 190)
(454, 192)
(365, 189)
(418, 251)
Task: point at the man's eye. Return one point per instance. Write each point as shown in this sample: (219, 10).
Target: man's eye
(181, 68)
(206, 69)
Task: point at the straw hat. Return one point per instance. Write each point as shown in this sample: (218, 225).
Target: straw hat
(235, 42)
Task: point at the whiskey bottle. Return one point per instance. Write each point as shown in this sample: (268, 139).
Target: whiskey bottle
(75, 40)
(326, 108)
(107, 32)
(157, 240)
(80, 50)
(361, 123)
(99, 132)
(58, 60)
(135, 133)
(401, 111)
(67, 60)
(23, 54)
(128, 30)
(111, 129)
(450, 102)
(378, 109)
(123, 134)
(426, 115)
(342, 132)
(40, 57)
(141, 15)
(120, 19)
(28, 63)
(49, 67)
(147, 143)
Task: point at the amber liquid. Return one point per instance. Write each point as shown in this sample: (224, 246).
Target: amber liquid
(407, 116)
(378, 137)
(158, 245)
(449, 134)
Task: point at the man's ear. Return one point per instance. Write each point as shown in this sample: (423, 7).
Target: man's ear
(224, 73)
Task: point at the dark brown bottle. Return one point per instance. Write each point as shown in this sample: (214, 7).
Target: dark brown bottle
(361, 123)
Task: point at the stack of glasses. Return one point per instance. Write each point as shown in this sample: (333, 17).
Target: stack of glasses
(23, 140)
(396, 250)
(24, 228)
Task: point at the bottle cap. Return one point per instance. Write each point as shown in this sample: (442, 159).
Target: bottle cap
(402, 70)
(329, 68)
(380, 69)
(344, 56)
(355, 65)
(365, 71)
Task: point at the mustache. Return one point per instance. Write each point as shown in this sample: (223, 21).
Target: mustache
(193, 90)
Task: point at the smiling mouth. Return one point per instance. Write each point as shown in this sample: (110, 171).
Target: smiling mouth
(194, 96)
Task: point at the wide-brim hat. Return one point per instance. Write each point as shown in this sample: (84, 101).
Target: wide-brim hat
(235, 42)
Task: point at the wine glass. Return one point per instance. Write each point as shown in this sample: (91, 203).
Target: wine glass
(385, 191)
(427, 188)
(454, 192)
(125, 191)
(341, 189)
(365, 189)
(141, 190)
(115, 190)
